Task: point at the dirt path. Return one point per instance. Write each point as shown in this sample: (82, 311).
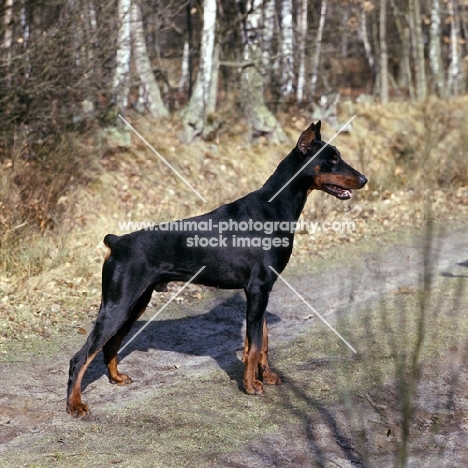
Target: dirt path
(186, 365)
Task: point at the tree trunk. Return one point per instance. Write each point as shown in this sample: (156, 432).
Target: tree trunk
(121, 81)
(213, 91)
(415, 23)
(211, 122)
(454, 72)
(435, 54)
(184, 74)
(270, 62)
(261, 121)
(363, 36)
(190, 47)
(287, 49)
(407, 62)
(405, 77)
(302, 26)
(154, 103)
(195, 113)
(318, 49)
(345, 34)
(8, 28)
(383, 53)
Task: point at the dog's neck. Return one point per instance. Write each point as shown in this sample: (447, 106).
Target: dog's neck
(291, 199)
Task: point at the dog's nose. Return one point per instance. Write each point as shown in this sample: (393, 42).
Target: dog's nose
(362, 180)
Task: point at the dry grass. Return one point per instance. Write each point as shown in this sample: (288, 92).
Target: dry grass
(57, 208)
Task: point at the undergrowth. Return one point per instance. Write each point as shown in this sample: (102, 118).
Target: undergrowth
(58, 202)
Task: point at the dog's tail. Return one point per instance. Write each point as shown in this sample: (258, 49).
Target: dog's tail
(111, 240)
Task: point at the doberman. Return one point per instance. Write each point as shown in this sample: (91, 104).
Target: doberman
(145, 261)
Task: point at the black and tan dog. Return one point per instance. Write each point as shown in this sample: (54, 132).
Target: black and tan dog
(146, 260)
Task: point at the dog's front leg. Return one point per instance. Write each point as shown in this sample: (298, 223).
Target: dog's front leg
(267, 375)
(257, 300)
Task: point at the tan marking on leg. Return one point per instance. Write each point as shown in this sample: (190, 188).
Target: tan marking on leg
(115, 376)
(267, 375)
(251, 383)
(74, 405)
(246, 349)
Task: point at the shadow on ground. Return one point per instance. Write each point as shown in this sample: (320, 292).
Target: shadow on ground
(448, 274)
(217, 334)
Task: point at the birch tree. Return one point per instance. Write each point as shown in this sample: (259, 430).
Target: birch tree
(152, 95)
(435, 55)
(287, 48)
(261, 121)
(302, 33)
(121, 80)
(363, 36)
(454, 71)
(8, 28)
(405, 74)
(270, 63)
(194, 116)
(383, 52)
(184, 73)
(318, 48)
(417, 43)
(131, 42)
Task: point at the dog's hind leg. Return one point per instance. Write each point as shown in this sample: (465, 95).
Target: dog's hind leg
(112, 316)
(111, 348)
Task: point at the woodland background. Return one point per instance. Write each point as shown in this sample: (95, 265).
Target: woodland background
(68, 65)
(222, 90)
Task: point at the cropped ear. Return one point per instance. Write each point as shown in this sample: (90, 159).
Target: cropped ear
(308, 136)
(318, 137)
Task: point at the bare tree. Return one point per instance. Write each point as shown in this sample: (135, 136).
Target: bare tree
(302, 33)
(121, 80)
(213, 91)
(363, 36)
(270, 62)
(152, 95)
(383, 53)
(184, 74)
(287, 48)
(261, 120)
(8, 28)
(454, 72)
(417, 42)
(435, 55)
(405, 75)
(318, 48)
(195, 113)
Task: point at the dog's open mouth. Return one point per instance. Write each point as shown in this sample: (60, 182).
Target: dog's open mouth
(338, 192)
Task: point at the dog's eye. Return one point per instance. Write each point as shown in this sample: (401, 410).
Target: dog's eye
(333, 160)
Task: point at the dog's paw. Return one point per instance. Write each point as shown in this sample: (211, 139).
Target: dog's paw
(121, 379)
(77, 410)
(271, 378)
(254, 388)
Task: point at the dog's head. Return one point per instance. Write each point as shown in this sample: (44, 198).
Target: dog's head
(325, 169)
